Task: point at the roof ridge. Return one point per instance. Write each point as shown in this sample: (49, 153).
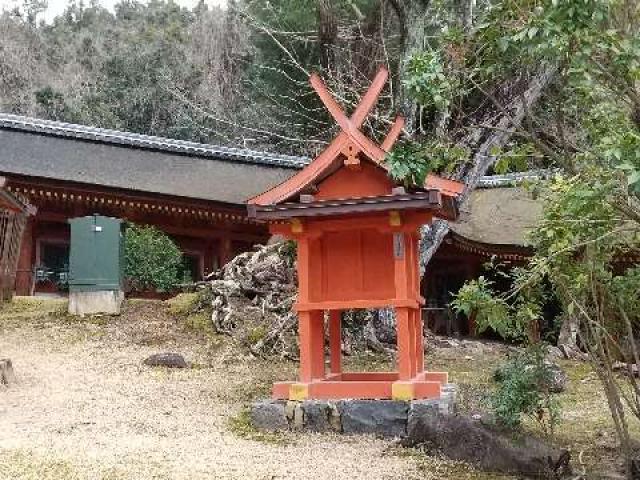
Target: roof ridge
(118, 137)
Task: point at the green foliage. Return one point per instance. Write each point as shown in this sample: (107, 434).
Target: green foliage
(476, 299)
(152, 259)
(516, 159)
(523, 390)
(428, 82)
(409, 163)
(144, 68)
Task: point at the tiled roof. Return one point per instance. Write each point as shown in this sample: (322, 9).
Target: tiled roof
(103, 135)
(94, 156)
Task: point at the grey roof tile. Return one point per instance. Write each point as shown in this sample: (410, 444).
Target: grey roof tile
(117, 137)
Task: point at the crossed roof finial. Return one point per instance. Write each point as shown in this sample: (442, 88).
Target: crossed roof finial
(356, 141)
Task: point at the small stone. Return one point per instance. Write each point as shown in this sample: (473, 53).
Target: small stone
(168, 359)
(269, 415)
(298, 417)
(387, 418)
(290, 409)
(7, 377)
(334, 418)
(444, 342)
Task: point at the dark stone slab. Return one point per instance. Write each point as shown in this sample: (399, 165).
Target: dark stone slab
(168, 359)
(484, 445)
(317, 416)
(387, 418)
(269, 415)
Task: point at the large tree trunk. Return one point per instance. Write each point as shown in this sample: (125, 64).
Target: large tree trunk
(327, 34)
(413, 20)
(496, 135)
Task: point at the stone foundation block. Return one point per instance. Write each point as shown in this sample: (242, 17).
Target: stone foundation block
(384, 418)
(106, 302)
(387, 418)
(269, 415)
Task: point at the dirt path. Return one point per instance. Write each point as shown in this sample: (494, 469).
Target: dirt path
(85, 407)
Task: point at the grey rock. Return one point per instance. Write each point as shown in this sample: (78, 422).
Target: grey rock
(445, 405)
(317, 416)
(269, 415)
(298, 417)
(334, 418)
(462, 438)
(167, 359)
(419, 409)
(386, 418)
(290, 409)
(557, 382)
(554, 354)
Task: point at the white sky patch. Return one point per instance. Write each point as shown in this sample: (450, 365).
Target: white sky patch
(56, 7)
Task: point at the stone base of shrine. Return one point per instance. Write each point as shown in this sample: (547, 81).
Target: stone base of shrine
(385, 418)
(383, 385)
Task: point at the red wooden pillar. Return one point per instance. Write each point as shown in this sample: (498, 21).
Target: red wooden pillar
(419, 337)
(335, 341)
(226, 250)
(24, 272)
(311, 331)
(405, 349)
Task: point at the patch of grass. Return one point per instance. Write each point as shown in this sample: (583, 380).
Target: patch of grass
(586, 427)
(23, 465)
(23, 310)
(34, 305)
(183, 304)
(240, 425)
(368, 362)
(200, 322)
(254, 378)
(188, 308)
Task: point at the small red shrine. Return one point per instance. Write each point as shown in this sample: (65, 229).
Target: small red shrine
(357, 234)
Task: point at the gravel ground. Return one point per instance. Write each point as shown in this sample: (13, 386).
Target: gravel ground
(85, 407)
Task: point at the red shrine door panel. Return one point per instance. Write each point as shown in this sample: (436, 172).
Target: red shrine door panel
(353, 265)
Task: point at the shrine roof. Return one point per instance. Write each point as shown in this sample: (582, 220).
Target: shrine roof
(429, 199)
(498, 215)
(68, 152)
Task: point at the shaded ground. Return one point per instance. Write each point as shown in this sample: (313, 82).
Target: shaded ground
(85, 407)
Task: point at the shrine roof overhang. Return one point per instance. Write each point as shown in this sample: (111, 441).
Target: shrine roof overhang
(109, 158)
(64, 195)
(504, 252)
(424, 200)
